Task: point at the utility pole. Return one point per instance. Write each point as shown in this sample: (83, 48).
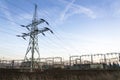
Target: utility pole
(33, 40)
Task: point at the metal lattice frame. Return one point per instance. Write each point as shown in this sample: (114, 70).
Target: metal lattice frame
(33, 34)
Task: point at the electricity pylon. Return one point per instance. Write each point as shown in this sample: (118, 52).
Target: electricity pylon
(33, 34)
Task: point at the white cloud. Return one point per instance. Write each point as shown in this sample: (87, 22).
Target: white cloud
(63, 15)
(72, 9)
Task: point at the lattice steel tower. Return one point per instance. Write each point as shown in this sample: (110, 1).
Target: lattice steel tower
(33, 34)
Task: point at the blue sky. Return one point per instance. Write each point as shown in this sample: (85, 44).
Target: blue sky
(80, 27)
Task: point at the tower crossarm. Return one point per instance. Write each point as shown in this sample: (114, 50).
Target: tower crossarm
(35, 32)
(35, 23)
(23, 35)
(44, 30)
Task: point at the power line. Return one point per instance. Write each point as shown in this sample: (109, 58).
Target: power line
(9, 29)
(17, 6)
(13, 12)
(58, 37)
(45, 42)
(61, 40)
(54, 30)
(33, 34)
(11, 34)
(4, 18)
(60, 45)
(9, 20)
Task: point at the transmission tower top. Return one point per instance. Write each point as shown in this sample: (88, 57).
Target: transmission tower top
(35, 14)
